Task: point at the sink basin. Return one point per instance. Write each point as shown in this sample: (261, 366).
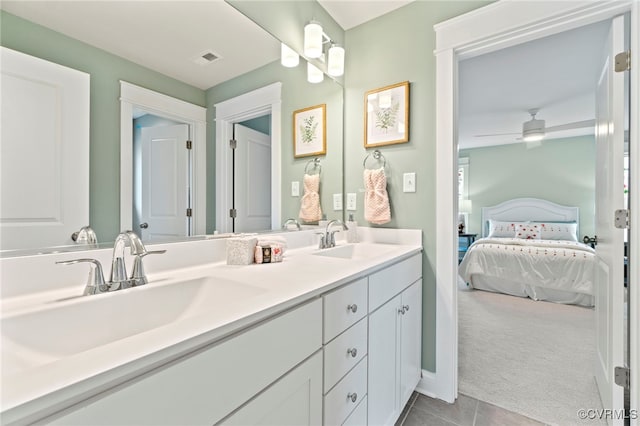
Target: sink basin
(72, 326)
(356, 251)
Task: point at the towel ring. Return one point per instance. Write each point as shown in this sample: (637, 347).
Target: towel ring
(376, 155)
(315, 163)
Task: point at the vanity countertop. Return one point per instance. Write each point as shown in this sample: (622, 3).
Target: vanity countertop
(303, 275)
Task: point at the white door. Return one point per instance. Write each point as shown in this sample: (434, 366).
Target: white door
(165, 182)
(252, 180)
(44, 157)
(609, 197)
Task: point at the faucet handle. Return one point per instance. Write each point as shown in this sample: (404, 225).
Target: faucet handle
(95, 281)
(138, 276)
(321, 242)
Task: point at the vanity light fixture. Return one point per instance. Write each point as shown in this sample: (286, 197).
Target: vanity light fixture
(288, 57)
(313, 39)
(314, 75)
(335, 67)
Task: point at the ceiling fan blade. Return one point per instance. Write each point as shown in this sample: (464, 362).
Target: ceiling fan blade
(569, 126)
(495, 134)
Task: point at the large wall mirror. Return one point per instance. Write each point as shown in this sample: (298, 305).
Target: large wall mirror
(51, 27)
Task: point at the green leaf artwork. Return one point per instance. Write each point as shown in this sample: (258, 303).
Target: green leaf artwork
(308, 129)
(386, 117)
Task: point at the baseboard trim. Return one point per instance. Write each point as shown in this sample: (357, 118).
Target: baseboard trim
(428, 385)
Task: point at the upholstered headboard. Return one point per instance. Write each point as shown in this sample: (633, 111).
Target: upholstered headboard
(533, 209)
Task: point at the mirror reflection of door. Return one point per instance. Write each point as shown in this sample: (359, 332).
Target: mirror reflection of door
(162, 179)
(252, 175)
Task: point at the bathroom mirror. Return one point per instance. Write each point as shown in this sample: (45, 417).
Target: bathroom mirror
(297, 93)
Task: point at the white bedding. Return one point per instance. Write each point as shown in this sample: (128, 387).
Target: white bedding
(554, 270)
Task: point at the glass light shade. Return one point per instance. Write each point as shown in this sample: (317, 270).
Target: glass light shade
(335, 67)
(313, 40)
(288, 57)
(314, 75)
(533, 130)
(465, 206)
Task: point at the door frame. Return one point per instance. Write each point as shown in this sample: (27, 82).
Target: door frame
(258, 102)
(490, 28)
(132, 96)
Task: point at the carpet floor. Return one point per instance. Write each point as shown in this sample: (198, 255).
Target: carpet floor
(534, 358)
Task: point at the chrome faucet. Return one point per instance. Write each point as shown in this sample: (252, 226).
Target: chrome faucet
(285, 226)
(328, 239)
(119, 280)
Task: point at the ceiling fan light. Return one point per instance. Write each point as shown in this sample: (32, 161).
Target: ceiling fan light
(533, 130)
(313, 40)
(288, 57)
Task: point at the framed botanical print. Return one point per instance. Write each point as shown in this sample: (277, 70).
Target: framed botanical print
(386, 115)
(310, 131)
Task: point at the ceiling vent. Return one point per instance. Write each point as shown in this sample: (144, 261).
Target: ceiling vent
(206, 58)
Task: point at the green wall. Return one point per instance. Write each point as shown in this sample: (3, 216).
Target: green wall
(398, 47)
(106, 71)
(297, 93)
(559, 170)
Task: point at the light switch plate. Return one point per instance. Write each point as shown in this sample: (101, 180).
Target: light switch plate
(351, 201)
(409, 182)
(337, 201)
(295, 189)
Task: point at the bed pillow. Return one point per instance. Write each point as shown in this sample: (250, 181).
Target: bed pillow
(558, 231)
(528, 231)
(502, 229)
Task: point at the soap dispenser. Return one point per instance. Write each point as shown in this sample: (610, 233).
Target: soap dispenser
(352, 233)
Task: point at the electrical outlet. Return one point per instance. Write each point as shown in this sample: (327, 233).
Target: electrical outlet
(351, 201)
(337, 201)
(409, 182)
(295, 189)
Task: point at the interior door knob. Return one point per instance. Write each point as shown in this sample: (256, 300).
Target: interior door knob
(144, 225)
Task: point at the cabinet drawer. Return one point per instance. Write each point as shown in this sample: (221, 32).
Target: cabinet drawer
(339, 307)
(203, 388)
(337, 360)
(387, 283)
(339, 403)
(359, 416)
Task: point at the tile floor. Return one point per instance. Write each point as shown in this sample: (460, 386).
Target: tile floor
(422, 411)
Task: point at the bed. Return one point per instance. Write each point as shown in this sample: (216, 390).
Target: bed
(530, 248)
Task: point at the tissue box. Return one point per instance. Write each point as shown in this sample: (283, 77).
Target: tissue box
(240, 251)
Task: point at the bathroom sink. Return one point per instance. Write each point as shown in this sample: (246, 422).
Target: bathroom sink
(68, 327)
(356, 251)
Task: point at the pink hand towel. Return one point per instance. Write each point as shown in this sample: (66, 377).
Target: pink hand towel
(310, 210)
(376, 199)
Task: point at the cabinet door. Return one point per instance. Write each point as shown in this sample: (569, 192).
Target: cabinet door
(295, 399)
(384, 370)
(410, 341)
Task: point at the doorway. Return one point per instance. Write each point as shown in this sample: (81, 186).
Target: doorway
(467, 36)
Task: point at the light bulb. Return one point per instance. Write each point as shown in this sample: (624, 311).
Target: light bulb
(313, 40)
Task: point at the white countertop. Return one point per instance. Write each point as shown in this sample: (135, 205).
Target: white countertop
(302, 276)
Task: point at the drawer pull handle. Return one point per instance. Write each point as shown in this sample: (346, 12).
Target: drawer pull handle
(353, 352)
(352, 396)
(353, 308)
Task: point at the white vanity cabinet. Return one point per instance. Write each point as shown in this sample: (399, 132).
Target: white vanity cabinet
(395, 304)
(204, 387)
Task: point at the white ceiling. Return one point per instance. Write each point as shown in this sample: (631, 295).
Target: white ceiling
(556, 74)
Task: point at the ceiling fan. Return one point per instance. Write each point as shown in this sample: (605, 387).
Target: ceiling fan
(534, 130)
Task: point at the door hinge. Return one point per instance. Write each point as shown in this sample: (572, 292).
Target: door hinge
(189, 212)
(622, 377)
(232, 213)
(189, 145)
(233, 143)
(623, 61)
(621, 219)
